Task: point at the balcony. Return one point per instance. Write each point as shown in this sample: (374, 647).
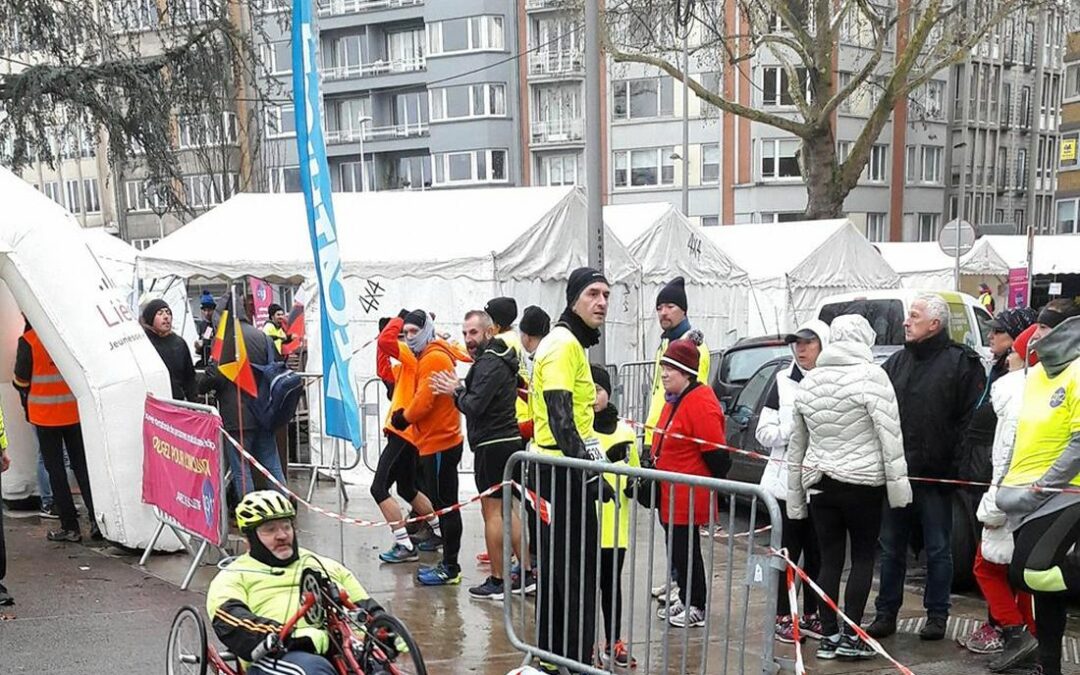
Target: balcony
(371, 134)
(554, 63)
(556, 132)
(532, 5)
(346, 7)
(372, 69)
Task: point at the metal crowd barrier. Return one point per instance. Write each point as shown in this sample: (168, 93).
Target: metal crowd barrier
(740, 578)
(634, 388)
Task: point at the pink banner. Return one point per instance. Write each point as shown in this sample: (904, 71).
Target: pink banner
(182, 473)
(1018, 287)
(263, 295)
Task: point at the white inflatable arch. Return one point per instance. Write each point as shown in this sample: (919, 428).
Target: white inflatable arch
(90, 330)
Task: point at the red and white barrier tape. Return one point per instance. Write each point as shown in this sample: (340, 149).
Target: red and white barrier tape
(793, 568)
(793, 600)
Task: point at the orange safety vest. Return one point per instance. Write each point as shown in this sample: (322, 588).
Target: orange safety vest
(50, 403)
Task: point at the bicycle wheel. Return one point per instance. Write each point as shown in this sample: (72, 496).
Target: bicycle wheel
(390, 645)
(186, 650)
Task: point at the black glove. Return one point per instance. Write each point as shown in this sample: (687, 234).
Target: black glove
(618, 452)
(398, 421)
(301, 644)
(599, 489)
(270, 647)
(370, 606)
(389, 391)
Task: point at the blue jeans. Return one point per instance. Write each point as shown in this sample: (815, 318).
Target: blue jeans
(262, 445)
(293, 663)
(933, 508)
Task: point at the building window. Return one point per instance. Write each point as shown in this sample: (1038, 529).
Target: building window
(928, 226)
(559, 169)
(471, 100)
(1072, 82)
(411, 109)
(647, 167)
(352, 178)
(876, 167)
(776, 86)
(1021, 168)
(475, 33)
(280, 121)
(710, 221)
(645, 97)
(877, 227)
(1066, 216)
(405, 49)
(472, 166)
(285, 179)
(144, 243)
(412, 173)
(91, 196)
(911, 164)
(843, 151)
(133, 15)
(142, 197)
(781, 216)
(780, 159)
(930, 171)
(203, 131)
(189, 11)
(203, 190)
(1025, 107)
(710, 163)
(52, 191)
(72, 195)
(1006, 104)
(928, 101)
(277, 58)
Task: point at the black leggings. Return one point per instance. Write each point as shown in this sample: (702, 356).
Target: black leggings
(397, 464)
(839, 511)
(441, 476)
(611, 590)
(800, 539)
(1041, 547)
(686, 539)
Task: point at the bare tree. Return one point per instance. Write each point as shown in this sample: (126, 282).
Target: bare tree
(140, 72)
(804, 37)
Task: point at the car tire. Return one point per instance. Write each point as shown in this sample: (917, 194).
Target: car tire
(965, 540)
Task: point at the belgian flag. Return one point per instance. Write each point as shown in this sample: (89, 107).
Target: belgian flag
(230, 352)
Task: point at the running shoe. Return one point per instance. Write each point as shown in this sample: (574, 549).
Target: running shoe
(810, 626)
(50, 512)
(399, 554)
(621, 654)
(827, 647)
(489, 590)
(670, 608)
(852, 647)
(530, 583)
(70, 536)
(785, 629)
(664, 589)
(432, 543)
(438, 575)
(690, 617)
(986, 639)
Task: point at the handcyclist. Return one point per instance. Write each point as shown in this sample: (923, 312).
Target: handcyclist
(256, 593)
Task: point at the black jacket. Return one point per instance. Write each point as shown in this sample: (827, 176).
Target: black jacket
(233, 418)
(938, 385)
(489, 396)
(174, 352)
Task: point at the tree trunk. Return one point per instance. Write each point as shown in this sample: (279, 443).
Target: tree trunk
(824, 188)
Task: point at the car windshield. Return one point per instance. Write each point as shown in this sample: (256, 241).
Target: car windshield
(740, 365)
(755, 387)
(885, 316)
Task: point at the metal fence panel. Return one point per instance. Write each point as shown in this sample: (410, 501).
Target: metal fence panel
(590, 595)
(634, 387)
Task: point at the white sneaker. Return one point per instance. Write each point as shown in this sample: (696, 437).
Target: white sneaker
(688, 618)
(664, 589)
(669, 608)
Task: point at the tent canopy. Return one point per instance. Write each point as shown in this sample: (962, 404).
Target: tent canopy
(914, 257)
(1053, 254)
(441, 233)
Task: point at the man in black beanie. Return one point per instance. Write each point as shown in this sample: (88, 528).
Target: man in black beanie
(563, 395)
(534, 326)
(157, 322)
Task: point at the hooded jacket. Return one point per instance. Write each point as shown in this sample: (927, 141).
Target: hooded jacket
(1046, 451)
(175, 354)
(402, 374)
(938, 384)
(489, 395)
(775, 423)
(434, 417)
(846, 424)
(1006, 395)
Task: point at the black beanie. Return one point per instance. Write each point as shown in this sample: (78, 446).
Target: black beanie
(1054, 316)
(579, 280)
(503, 311)
(673, 293)
(151, 309)
(417, 317)
(535, 322)
(274, 308)
(601, 377)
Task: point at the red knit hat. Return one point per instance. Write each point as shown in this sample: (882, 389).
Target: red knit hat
(684, 355)
(1023, 341)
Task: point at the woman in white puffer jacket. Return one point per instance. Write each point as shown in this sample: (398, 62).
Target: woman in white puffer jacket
(847, 454)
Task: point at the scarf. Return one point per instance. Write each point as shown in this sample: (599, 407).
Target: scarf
(422, 339)
(576, 325)
(678, 331)
(607, 420)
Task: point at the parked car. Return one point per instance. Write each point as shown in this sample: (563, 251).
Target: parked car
(743, 415)
(740, 361)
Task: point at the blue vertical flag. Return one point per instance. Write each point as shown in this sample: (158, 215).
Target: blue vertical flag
(342, 414)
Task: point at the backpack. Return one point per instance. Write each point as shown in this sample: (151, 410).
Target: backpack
(279, 392)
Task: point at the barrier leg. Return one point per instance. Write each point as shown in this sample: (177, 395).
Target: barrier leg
(194, 565)
(311, 483)
(150, 546)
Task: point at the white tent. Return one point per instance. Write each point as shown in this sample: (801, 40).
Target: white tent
(88, 327)
(792, 266)
(923, 265)
(667, 245)
(1053, 254)
(447, 251)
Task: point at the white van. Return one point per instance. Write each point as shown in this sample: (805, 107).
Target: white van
(886, 310)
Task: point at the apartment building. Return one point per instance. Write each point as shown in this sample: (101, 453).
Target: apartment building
(1068, 185)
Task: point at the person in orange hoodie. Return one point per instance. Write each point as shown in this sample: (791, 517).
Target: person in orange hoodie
(399, 459)
(435, 423)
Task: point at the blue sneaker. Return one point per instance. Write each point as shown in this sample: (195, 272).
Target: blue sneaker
(432, 543)
(399, 554)
(438, 576)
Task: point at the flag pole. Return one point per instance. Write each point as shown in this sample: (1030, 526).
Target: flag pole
(239, 397)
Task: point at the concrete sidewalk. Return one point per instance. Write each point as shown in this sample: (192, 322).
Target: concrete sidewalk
(91, 610)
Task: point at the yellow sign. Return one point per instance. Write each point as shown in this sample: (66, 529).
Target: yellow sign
(1068, 149)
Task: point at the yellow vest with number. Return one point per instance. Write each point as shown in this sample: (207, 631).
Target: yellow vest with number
(614, 535)
(561, 364)
(1049, 416)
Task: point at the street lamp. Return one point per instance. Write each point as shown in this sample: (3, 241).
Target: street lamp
(363, 170)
